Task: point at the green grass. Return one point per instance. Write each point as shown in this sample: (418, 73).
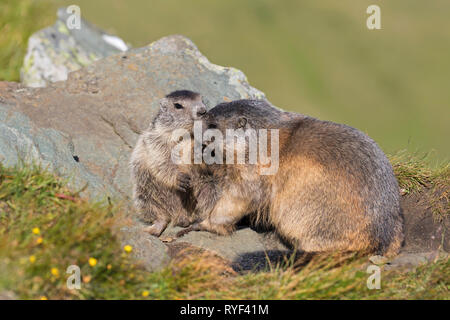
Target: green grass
(432, 183)
(18, 20)
(413, 172)
(44, 228)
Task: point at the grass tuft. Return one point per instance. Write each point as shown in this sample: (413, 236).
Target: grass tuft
(45, 228)
(413, 172)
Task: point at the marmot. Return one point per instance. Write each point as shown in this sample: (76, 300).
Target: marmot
(161, 188)
(334, 190)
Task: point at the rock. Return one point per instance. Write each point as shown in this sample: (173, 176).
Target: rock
(230, 247)
(85, 127)
(150, 251)
(378, 260)
(57, 50)
(425, 231)
(8, 295)
(408, 260)
(245, 249)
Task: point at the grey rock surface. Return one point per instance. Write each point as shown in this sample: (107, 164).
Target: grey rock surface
(230, 247)
(425, 231)
(411, 260)
(245, 249)
(85, 127)
(8, 295)
(59, 49)
(150, 251)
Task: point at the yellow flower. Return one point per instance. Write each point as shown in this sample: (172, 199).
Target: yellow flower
(55, 272)
(39, 240)
(44, 298)
(109, 267)
(92, 262)
(32, 259)
(36, 230)
(128, 248)
(87, 279)
(145, 293)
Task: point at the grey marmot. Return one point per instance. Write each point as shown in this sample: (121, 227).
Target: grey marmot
(162, 190)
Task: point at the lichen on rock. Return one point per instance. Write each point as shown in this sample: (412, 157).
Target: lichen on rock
(56, 51)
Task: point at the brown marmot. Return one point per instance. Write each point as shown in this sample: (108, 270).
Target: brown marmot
(334, 190)
(162, 190)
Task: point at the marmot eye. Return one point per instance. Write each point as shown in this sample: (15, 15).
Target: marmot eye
(242, 122)
(178, 106)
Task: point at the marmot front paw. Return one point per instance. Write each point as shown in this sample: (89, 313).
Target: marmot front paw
(183, 182)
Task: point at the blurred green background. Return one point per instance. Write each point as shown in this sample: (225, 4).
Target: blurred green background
(313, 57)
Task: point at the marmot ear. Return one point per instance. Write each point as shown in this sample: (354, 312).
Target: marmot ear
(164, 104)
(242, 121)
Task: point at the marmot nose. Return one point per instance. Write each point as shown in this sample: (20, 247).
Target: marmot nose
(201, 111)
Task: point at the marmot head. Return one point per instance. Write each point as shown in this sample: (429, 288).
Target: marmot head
(179, 110)
(239, 120)
(242, 114)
